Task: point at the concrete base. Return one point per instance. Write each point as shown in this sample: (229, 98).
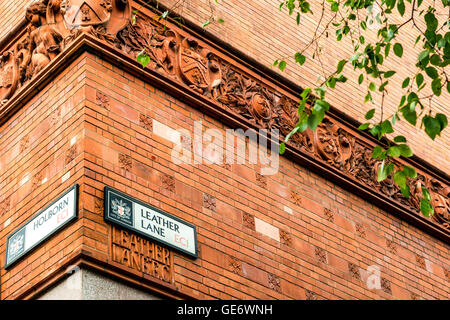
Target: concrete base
(84, 284)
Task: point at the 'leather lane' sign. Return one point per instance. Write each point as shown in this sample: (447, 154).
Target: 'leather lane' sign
(150, 222)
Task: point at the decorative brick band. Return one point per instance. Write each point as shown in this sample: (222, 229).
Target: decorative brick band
(213, 81)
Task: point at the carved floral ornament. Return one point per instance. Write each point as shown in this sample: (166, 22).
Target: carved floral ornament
(53, 24)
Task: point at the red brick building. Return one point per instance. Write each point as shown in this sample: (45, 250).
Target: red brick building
(80, 114)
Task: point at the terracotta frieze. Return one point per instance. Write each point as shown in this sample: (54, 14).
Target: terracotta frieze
(179, 56)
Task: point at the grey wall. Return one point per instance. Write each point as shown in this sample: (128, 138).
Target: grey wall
(84, 284)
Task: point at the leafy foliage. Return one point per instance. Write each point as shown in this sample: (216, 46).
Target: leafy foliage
(369, 58)
(351, 18)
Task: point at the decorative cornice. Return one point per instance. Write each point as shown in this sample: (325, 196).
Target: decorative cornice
(216, 83)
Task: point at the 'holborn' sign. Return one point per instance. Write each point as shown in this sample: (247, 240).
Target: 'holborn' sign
(44, 224)
(150, 222)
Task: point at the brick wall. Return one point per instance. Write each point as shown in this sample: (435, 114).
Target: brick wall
(41, 156)
(13, 11)
(293, 235)
(261, 31)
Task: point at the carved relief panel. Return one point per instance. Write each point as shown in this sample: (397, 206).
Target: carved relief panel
(52, 25)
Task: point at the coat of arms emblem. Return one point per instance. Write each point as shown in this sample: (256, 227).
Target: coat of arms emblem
(17, 244)
(121, 209)
(9, 75)
(112, 15)
(198, 67)
(87, 12)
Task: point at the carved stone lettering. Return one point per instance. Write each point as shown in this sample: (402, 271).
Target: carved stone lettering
(142, 255)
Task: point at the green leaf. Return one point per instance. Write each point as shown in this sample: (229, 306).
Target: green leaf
(372, 86)
(425, 203)
(354, 57)
(303, 125)
(389, 74)
(377, 152)
(405, 191)
(143, 58)
(320, 91)
(400, 179)
(305, 93)
(417, 39)
(341, 65)
(390, 168)
(401, 7)
(410, 116)
(387, 49)
(341, 78)
(405, 150)
(431, 72)
(390, 3)
(361, 78)
(282, 148)
(419, 79)
(335, 7)
(400, 139)
(410, 172)
(300, 58)
(398, 50)
(432, 126)
(383, 85)
(206, 23)
(431, 21)
(436, 86)
(369, 115)
(386, 127)
(426, 208)
(435, 60)
(315, 119)
(406, 82)
(394, 118)
(423, 58)
(363, 25)
(364, 126)
(382, 173)
(376, 131)
(282, 65)
(394, 151)
(442, 119)
(331, 82)
(321, 106)
(426, 194)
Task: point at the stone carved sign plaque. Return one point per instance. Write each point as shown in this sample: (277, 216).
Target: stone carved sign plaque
(142, 255)
(44, 224)
(150, 222)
